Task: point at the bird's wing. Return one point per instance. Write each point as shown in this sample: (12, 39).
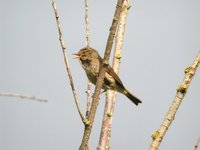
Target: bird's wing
(111, 72)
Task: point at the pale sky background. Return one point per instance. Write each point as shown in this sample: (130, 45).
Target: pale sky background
(161, 39)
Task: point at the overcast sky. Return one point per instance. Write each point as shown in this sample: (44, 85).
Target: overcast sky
(161, 39)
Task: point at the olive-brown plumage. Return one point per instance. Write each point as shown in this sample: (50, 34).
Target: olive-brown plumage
(91, 61)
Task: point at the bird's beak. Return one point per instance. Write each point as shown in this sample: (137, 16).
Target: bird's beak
(77, 56)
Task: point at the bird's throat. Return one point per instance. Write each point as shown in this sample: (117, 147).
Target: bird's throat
(85, 63)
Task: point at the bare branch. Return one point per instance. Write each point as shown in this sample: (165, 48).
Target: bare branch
(181, 91)
(66, 61)
(88, 92)
(197, 144)
(87, 24)
(95, 100)
(19, 95)
(104, 141)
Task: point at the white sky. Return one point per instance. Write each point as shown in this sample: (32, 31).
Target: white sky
(161, 39)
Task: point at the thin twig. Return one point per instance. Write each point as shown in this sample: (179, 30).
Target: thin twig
(88, 92)
(87, 24)
(104, 141)
(95, 99)
(19, 95)
(197, 144)
(181, 91)
(66, 61)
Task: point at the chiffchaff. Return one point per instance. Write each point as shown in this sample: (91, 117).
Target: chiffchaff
(91, 61)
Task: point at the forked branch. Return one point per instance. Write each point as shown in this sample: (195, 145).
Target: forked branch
(104, 141)
(95, 99)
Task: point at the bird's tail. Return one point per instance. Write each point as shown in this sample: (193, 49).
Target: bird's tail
(133, 98)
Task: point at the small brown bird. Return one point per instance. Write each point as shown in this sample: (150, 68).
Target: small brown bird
(91, 61)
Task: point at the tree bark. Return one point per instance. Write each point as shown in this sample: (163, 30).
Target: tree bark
(181, 91)
(95, 100)
(104, 141)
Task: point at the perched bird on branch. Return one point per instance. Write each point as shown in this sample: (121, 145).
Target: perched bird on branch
(91, 61)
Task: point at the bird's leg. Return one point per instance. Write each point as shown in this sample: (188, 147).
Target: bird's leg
(103, 91)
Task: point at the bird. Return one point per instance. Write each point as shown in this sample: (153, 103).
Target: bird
(91, 61)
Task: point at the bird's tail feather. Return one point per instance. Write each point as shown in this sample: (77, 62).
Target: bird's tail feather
(133, 98)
